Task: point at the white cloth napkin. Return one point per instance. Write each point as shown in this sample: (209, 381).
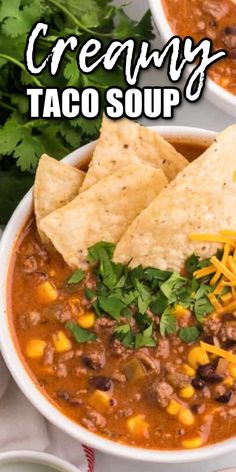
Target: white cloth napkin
(23, 427)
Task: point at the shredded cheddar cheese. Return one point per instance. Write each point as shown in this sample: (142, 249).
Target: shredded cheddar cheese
(223, 271)
(219, 352)
(204, 272)
(212, 238)
(217, 306)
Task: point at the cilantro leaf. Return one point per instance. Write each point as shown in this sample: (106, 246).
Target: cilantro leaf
(167, 323)
(172, 286)
(145, 338)
(159, 304)
(202, 305)
(189, 334)
(125, 335)
(81, 335)
(127, 28)
(144, 297)
(111, 305)
(100, 252)
(76, 277)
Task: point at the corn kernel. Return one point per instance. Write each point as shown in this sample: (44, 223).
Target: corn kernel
(100, 401)
(61, 342)
(187, 392)
(179, 310)
(197, 356)
(86, 321)
(186, 417)
(192, 443)
(228, 381)
(46, 292)
(232, 370)
(137, 425)
(35, 348)
(173, 407)
(189, 370)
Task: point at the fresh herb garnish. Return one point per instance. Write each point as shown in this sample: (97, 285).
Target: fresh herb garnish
(76, 277)
(142, 294)
(111, 305)
(168, 323)
(100, 252)
(145, 338)
(189, 334)
(81, 335)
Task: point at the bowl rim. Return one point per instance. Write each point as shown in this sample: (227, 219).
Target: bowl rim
(160, 18)
(26, 382)
(37, 457)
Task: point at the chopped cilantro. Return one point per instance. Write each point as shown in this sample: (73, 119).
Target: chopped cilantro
(159, 304)
(111, 305)
(76, 277)
(125, 335)
(144, 296)
(173, 286)
(81, 335)
(167, 323)
(202, 305)
(100, 252)
(189, 334)
(145, 338)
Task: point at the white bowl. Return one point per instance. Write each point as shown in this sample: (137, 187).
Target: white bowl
(15, 461)
(217, 95)
(23, 378)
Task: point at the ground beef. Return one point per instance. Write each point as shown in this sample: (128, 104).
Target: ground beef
(48, 356)
(217, 9)
(228, 331)
(160, 392)
(61, 371)
(96, 418)
(163, 349)
(117, 348)
(29, 265)
(178, 379)
(61, 312)
(212, 325)
(94, 358)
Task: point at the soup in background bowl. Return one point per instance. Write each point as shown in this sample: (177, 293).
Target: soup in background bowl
(95, 395)
(200, 19)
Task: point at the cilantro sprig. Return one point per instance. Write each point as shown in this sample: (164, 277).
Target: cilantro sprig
(23, 140)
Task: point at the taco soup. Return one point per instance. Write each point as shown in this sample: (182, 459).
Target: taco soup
(122, 289)
(212, 19)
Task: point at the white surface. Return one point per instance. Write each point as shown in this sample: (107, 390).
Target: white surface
(204, 115)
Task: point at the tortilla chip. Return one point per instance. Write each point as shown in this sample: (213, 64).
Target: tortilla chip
(202, 199)
(55, 185)
(103, 212)
(124, 142)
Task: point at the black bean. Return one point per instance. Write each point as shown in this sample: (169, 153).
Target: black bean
(225, 397)
(198, 383)
(101, 383)
(208, 373)
(208, 340)
(230, 30)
